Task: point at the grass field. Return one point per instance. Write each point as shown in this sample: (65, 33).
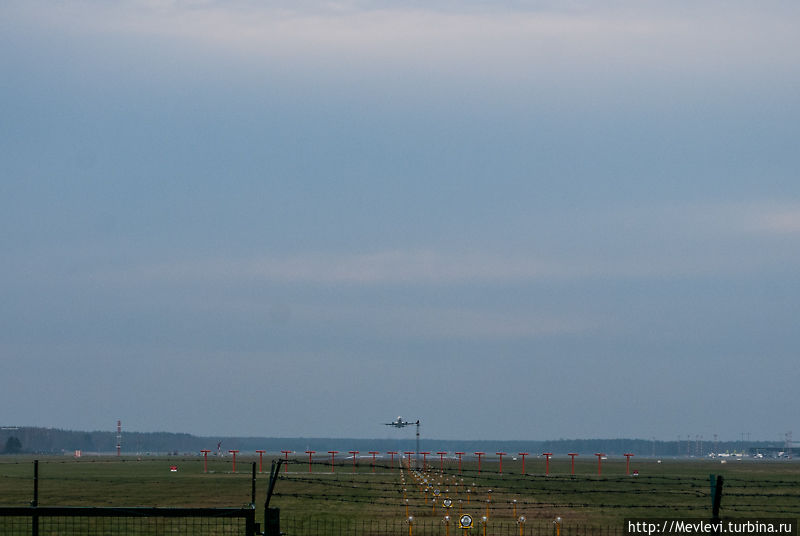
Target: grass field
(673, 488)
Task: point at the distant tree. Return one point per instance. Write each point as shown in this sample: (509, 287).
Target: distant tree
(13, 446)
(88, 443)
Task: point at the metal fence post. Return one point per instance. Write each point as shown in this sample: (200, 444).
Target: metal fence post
(717, 499)
(35, 501)
(272, 516)
(250, 521)
(272, 522)
(253, 491)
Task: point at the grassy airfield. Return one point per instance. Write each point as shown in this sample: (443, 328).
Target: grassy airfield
(672, 488)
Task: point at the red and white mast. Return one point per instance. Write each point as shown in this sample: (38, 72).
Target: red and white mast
(119, 437)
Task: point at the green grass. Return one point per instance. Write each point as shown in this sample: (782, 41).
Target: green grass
(111, 481)
(670, 489)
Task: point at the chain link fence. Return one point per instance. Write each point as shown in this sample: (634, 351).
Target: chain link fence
(296, 526)
(91, 521)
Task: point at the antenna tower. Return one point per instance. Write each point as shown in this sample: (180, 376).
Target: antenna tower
(119, 437)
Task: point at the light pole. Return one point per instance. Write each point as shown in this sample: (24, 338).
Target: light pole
(373, 452)
(333, 454)
(310, 452)
(205, 460)
(627, 463)
(547, 463)
(459, 461)
(599, 462)
(501, 454)
(425, 460)
(441, 460)
(557, 527)
(355, 454)
(465, 522)
(572, 464)
(234, 458)
(523, 454)
(392, 453)
(286, 457)
(417, 444)
(479, 454)
(260, 459)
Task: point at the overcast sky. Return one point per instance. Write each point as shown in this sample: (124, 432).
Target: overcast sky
(511, 220)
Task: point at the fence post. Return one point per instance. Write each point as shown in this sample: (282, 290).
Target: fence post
(250, 520)
(272, 522)
(272, 516)
(253, 491)
(717, 499)
(35, 501)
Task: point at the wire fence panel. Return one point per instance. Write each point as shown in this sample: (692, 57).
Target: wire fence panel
(16, 525)
(77, 521)
(294, 526)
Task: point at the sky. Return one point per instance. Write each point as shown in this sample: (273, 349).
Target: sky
(508, 219)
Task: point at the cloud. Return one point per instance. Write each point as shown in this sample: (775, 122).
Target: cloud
(743, 220)
(443, 323)
(690, 240)
(419, 266)
(498, 36)
(778, 220)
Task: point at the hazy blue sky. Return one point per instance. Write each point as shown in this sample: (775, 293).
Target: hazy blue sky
(517, 220)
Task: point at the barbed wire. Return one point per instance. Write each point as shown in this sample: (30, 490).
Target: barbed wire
(643, 485)
(544, 505)
(381, 500)
(388, 494)
(388, 485)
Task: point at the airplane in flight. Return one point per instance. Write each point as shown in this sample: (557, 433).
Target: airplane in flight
(400, 423)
